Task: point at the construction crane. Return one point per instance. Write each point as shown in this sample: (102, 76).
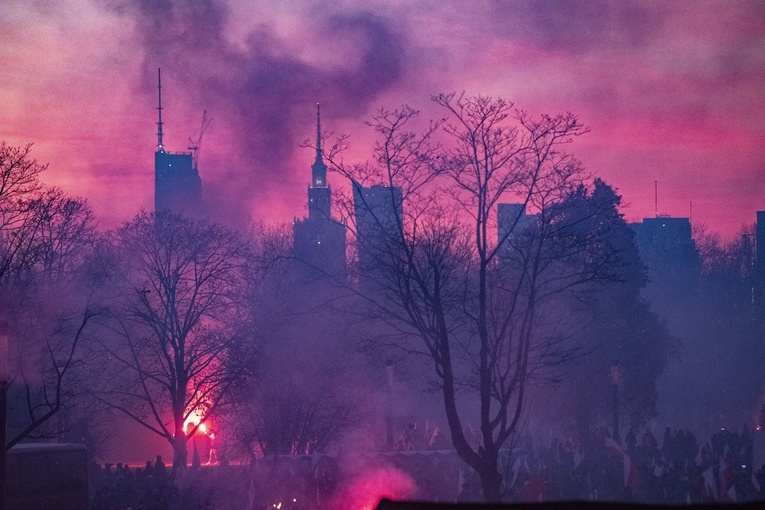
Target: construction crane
(196, 145)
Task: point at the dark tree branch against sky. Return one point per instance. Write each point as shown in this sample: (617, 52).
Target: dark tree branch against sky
(178, 283)
(672, 91)
(487, 311)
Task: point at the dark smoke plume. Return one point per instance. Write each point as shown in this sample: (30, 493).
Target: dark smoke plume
(260, 92)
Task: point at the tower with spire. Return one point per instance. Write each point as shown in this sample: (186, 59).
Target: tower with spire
(177, 186)
(319, 193)
(319, 240)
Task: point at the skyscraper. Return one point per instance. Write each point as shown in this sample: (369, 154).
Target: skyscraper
(177, 186)
(666, 241)
(759, 267)
(667, 249)
(378, 209)
(512, 221)
(319, 241)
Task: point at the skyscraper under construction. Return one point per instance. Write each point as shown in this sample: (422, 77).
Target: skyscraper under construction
(177, 186)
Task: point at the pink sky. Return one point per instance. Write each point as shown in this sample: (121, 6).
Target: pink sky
(672, 91)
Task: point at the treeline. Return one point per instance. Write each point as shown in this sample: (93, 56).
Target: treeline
(184, 326)
(171, 322)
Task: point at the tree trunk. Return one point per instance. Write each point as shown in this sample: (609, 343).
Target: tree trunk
(180, 455)
(3, 390)
(491, 481)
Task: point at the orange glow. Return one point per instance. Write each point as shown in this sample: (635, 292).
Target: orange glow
(206, 445)
(193, 420)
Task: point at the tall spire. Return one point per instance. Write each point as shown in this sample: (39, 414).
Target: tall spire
(318, 132)
(160, 144)
(319, 169)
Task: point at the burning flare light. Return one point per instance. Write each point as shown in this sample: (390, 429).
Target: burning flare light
(193, 420)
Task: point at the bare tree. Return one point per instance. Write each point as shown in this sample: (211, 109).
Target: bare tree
(175, 346)
(298, 394)
(46, 238)
(282, 413)
(46, 358)
(722, 331)
(488, 310)
(19, 178)
(19, 186)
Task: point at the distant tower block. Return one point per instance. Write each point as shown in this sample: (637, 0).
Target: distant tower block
(759, 268)
(665, 239)
(668, 250)
(378, 209)
(319, 241)
(512, 221)
(177, 186)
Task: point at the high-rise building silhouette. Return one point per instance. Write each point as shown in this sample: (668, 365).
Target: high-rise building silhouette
(667, 249)
(512, 221)
(378, 210)
(759, 268)
(319, 241)
(666, 241)
(177, 186)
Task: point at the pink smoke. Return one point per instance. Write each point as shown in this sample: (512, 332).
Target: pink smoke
(365, 491)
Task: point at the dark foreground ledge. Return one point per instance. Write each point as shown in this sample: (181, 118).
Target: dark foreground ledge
(558, 505)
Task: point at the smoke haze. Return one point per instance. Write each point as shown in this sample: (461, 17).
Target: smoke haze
(671, 92)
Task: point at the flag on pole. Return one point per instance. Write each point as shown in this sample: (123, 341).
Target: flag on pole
(710, 487)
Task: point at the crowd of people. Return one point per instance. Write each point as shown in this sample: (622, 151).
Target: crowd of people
(121, 487)
(641, 469)
(679, 471)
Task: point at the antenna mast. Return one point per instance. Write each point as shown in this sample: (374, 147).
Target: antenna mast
(160, 144)
(318, 131)
(656, 197)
